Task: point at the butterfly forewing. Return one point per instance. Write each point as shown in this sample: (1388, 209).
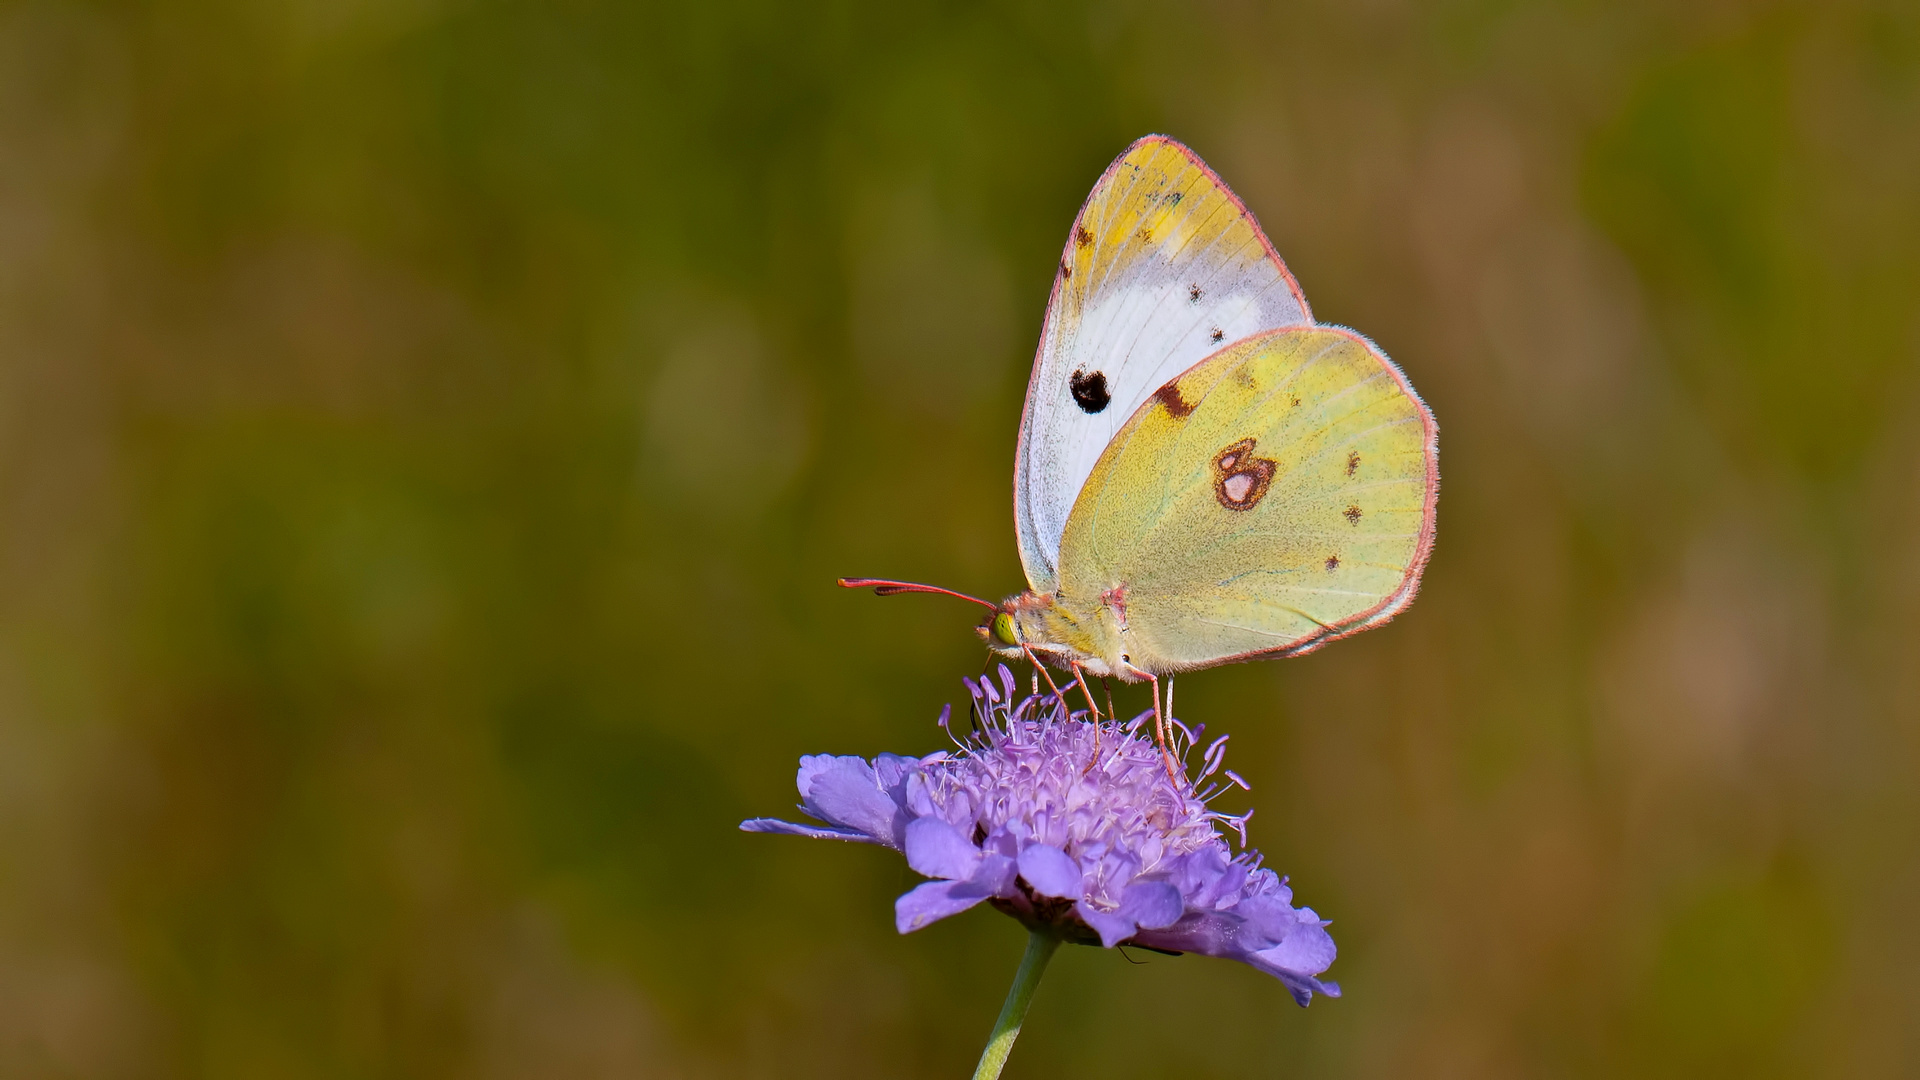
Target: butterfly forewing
(1277, 496)
(1163, 267)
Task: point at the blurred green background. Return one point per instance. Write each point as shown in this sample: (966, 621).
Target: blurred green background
(429, 430)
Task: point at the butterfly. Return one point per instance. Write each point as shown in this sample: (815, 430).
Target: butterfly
(1204, 475)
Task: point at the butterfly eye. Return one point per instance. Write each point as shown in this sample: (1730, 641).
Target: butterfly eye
(1003, 629)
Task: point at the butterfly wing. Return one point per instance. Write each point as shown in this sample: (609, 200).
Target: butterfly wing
(1163, 265)
(1277, 496)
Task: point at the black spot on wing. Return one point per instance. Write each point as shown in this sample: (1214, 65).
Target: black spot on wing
(1089, 390)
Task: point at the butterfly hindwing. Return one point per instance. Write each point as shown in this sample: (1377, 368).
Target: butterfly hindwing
(1275, 497)
(1163, 266)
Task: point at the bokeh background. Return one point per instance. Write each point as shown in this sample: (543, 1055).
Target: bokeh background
(429, 430)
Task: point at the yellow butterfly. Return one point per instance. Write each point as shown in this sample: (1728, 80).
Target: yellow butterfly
(1205, 475)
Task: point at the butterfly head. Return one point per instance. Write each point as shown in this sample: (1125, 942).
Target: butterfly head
(1015, 627)
(1030, 626)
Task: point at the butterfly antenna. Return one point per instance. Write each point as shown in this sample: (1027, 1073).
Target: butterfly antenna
(883, 587)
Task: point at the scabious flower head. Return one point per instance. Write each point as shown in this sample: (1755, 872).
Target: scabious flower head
(1072, 827)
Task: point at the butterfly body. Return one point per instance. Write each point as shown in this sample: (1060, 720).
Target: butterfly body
(1205, 475)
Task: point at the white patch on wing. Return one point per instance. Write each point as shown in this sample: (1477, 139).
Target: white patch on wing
(1141, 337)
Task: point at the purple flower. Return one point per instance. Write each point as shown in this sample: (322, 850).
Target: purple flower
(1071, 827)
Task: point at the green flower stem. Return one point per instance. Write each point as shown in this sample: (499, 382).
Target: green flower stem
(1040, 949)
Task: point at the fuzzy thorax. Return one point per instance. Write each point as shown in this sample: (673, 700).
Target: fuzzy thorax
(1065, 634)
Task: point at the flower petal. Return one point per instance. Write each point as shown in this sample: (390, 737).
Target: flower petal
(1231, 936)
(844, 791)
(1306, 948)
(1112, 927)
(1050, 871)
(891, 769)
(817, 832)
(1273, 919)
(931, 901)
(1300, 984)
(939, 850)
(1151, 904)
(996, 875)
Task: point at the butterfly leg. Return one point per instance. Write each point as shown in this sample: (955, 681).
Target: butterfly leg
(1160, 732)
(1080, 676)
(1057, 695)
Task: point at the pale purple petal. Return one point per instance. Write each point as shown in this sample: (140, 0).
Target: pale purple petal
(1302, 985)
(891, 769)
(1211, 933)
(844, 791)
(1002, 842)
(938, 850)
(1307, 947)
(812, 765)
(1112, 927)
(1152, 904)
(816, 832)
(1270, 917)
(996, 874)
(1050, 871)
(932, 901)
(918, 802)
